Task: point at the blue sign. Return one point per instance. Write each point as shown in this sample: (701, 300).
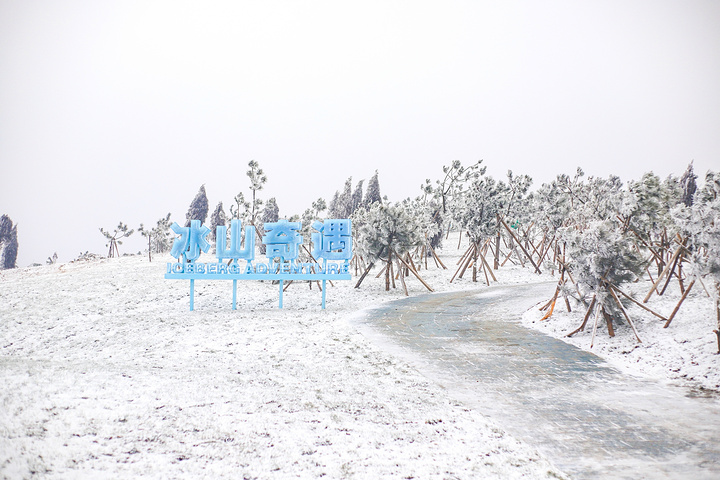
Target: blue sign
(282, 240)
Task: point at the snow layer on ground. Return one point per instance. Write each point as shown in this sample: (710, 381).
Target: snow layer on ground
(685, 353)
(106, 374)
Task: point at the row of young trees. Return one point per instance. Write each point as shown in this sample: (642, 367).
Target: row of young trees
(598, 233)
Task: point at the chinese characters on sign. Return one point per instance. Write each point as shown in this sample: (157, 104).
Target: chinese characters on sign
(332, 242)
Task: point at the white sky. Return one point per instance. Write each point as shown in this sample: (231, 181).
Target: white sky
(119, 110)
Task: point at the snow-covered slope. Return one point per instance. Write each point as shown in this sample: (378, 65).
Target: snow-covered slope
(106, 374)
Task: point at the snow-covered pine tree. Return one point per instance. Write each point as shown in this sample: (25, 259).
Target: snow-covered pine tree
(114, 239)
(357, 197)
(218, 217)
(477, 211)
(311, 215)
(341, 206)
(700, 223)
(238, 210)
(600, 256)
(372, 194)
(271, 212)
(6, 226)
(198, 207)
(457, 178)
(384, 232)
(8, 243)
(257, 181)
(689, 185)
(551, 208)
(160, 237)
(334, 205)
(645, 212)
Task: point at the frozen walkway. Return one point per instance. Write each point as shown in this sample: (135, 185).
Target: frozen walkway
(588, 418)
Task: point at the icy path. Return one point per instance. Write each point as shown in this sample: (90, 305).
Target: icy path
(588, 418)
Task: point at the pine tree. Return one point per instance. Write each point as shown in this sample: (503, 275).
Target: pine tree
(357, 197)
(341, 205)
(114, 239)
(6, 226)
(700, 223)
(334, 205)
(257, 181)
(217, 218)
(271, 212)
(687, 181)
(372, 195)
(198, 208)
(386, 232)
(9, 247)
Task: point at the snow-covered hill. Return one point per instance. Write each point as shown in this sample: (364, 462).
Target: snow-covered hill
(106, 374)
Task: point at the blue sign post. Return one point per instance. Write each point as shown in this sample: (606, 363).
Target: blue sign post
(332, 242)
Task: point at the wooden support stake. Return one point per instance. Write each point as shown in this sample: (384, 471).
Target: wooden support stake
(622, 309)
(417, 275)
(488, 268)
(521, 247)
(677, 307)
(587, 316)
(634, 301)
(661, 276)
(367, 270)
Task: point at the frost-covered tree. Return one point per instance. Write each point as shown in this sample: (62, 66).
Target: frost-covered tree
(457, 178)
(198, 207)
(218, 217)
(271, 212)
(8, 243)
(257, 181)
(384, 232)
(160, 237)
(372, 194)
(477, 212)
(342, 202)
(250, 211)
(357, 197)
(689, 185)
(115, 238)
(551, 208)
(601, 256)
(333, 206)
(311, 215)
(700, 223)
(6, 226)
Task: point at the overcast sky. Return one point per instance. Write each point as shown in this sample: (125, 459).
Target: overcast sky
(119, 110)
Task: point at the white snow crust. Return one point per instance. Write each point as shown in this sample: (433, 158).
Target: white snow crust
(106, 374)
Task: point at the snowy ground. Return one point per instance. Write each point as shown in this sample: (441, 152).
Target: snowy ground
(685, 353)
(105, 374)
